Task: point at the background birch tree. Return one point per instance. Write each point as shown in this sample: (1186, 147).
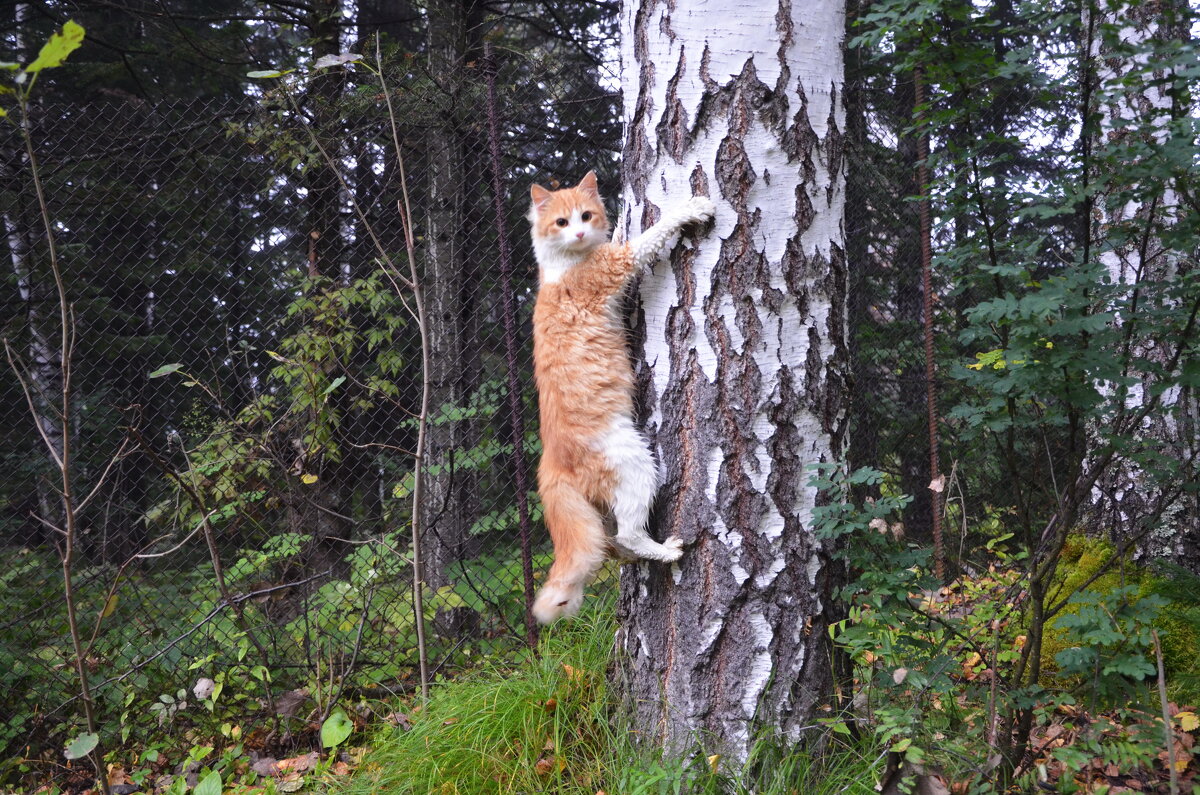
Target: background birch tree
(1143, 230)
(745, 354)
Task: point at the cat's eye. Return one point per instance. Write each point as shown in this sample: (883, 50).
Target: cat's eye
(586, 216)
(561, 222)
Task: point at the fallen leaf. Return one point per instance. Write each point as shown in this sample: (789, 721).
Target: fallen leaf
(1188, 721)
(117, 776)
(266, 766)
(340, 769)
(543, 766)
(938, 484)
(298, 764)
(899, 675)
(551, 705)
(288, 703)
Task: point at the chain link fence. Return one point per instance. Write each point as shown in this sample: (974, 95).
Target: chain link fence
(246, 389)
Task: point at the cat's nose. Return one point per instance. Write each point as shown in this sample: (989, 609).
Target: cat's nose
(579, 235)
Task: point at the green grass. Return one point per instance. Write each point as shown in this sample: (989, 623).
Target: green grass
(548, 724)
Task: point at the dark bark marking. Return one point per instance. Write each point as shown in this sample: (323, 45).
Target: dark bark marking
(673, 134)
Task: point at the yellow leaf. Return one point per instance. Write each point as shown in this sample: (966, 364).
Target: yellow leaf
(308, 479)
(1188, 721)
(714, 762)
(56, 50)
(109, 606)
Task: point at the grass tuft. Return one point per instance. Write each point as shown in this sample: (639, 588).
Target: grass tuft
(547, 724)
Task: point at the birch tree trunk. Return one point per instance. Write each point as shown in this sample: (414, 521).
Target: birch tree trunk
(744, 355)
(1132, 224)
(35, 286)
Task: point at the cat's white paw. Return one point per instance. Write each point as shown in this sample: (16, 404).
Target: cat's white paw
(674, 548)
(700, 209)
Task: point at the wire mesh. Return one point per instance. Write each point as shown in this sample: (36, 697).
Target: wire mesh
(248, 377)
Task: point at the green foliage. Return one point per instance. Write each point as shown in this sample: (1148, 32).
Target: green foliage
(1094, 575)
(548, 723)
(1111, 640)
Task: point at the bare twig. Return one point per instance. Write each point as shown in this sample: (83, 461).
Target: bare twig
(62, 456)
(404, 206)
(1169, 734)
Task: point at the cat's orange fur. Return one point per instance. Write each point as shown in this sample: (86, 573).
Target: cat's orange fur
(593, 458)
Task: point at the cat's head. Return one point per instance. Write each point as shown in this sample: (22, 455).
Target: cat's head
(570, 221)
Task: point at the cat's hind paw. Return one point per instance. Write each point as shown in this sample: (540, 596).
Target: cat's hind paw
(700, 209)
(673, 547)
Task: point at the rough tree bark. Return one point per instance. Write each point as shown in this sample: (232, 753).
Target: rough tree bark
(451, 501)
(744, 355)
(1128, 501)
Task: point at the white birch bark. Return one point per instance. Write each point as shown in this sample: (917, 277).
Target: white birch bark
(1126, 498)
(744, 357)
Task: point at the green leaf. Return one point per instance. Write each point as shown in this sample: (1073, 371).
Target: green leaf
(55, 51)
(269, 73)
(341, 379)
(166, 369)
(82, 745)
(336, 728)
(209, 785)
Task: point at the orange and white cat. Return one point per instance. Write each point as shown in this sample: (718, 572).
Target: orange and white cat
(594, 459)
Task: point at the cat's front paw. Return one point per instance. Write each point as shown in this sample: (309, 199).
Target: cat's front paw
(700, 209)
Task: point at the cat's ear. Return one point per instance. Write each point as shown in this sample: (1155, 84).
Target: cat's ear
(538, 197)
(588, 184)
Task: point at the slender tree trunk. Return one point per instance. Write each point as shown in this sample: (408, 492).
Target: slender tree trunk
(451, 503)
(745, 355)
(1129, 232)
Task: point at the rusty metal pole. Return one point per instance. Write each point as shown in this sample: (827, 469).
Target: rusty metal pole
(935, 481)
(516, 417)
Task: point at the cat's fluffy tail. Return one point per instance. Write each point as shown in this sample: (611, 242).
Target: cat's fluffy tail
(580, 547)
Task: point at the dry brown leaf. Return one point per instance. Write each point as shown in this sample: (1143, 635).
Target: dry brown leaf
(551, 704)
(297, 764)
(340, 769)
(266, 766)
(543, 766)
